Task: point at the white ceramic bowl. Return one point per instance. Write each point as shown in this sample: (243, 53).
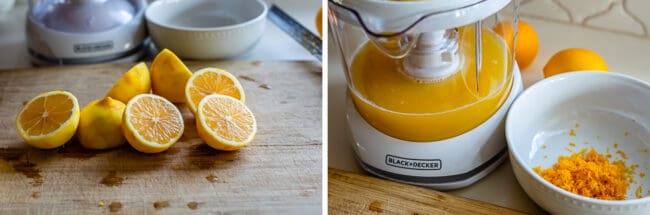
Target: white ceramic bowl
(206, 29)
(601, 109)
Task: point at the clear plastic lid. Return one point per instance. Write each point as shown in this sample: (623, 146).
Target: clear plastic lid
(82, 16)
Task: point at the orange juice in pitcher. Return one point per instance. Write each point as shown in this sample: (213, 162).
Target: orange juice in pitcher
(426, 110)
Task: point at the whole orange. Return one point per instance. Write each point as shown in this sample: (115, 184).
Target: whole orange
(319, 21)
(527, 43)
(574, 59)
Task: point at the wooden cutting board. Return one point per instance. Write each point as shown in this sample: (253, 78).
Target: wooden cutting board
(280, 172)
(350, 193)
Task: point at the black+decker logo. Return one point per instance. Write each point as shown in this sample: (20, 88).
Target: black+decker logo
(93, 47)
(416, 164)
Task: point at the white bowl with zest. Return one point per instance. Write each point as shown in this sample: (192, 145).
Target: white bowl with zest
(567, 113)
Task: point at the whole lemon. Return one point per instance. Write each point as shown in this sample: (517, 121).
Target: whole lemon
(100, 124)
(136, 81)
(169, 76)
(574, 59)
(527, 41)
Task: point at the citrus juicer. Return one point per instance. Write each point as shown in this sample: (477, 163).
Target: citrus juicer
(61, 32)
(429, 85)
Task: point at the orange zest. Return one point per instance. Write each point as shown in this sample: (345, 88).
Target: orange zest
(590, 174)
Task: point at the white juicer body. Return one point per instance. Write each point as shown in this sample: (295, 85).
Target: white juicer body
(445, 164)
(123, 43)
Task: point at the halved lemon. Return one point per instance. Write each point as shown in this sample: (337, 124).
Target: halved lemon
(48, 120)
(151, 123)
(210, 81)
(225, 123)
(135, 81)
(169, 76)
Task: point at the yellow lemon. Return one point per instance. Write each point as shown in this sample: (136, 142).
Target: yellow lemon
(100, 124)
(151, 123)
(225, 123)
(48, 120)
(210, 81)
(169, 76)
(527, 41)
(574, 59)
(136, 81)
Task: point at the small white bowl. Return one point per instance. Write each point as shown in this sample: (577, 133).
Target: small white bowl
(206, 29)
(601, 109)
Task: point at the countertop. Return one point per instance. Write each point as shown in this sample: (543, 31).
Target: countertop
(274, 45)
(279, 172)
(626, 52)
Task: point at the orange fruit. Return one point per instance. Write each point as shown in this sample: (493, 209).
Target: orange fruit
(319, 21)
(225, 123)
(151, 123)
(135, 81)
(169, 76)
(527, 43)
(209, 81)
(48, 120)
(574, 59)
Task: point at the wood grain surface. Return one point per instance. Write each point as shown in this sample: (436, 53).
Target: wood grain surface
(350, 193)
(279, 173)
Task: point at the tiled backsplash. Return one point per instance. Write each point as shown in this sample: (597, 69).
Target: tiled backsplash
(622, 16)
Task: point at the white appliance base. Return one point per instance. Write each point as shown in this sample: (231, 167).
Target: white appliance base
(136, 54)
(463, 181)
(445, 164)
